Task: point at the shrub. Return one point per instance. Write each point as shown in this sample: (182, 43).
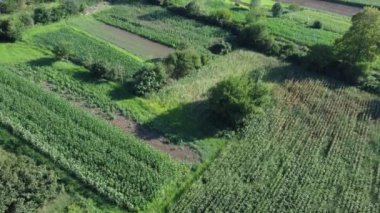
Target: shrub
(41, 15)
(194, 8)
(277, 10)
(182, 63)
(256, 36)
(99, 69)
(319, 58)
(11, 30)
(149, 79)
(234, 100)
(57, 14)
(26, 19)
(221, 48)
(62, 51)
(223, 15)
(71, 7)
(317, 25)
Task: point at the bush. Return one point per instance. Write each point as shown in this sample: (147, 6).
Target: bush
(41, 15)
(221, 16)
(57, 14)
(149, 79)
(71, 7)
(194, 8)
(26, 20)
(11, 30)
(277, 10)
(99, 69)
(221, 48)
(234, 100)
(62, 51)
(257, 37)
(182, 63)
(317, 25)
(319, 57)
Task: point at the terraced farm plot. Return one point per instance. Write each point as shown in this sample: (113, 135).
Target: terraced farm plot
(117, 165)
(326, 6)
(315, 153)
(85, 47)
(138, 45)
(158, 24)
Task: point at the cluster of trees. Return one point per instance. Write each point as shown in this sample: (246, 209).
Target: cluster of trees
(25, 186)
(152, 78)
(11, 29)
(350, 57)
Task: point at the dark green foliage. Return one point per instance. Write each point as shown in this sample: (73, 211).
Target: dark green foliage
(57, 14)
(221, 48)
(317, 25)
(11, 30)
(361, 44)
(99, 69)
(41, 15)
(182, 63)
(319, 57)
(234, 100)
(277, 10)
(257, 37)
(149, 79)
(24, 186)
(71, 7)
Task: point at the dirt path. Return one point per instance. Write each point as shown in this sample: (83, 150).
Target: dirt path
(158, 141)
(326, 6)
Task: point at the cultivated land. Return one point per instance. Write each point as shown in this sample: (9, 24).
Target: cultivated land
(315, 149)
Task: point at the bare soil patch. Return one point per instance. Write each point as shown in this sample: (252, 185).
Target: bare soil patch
(156, 140)
(326, 6)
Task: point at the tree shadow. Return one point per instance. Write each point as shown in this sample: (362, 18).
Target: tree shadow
(372, 111)
(123, 91)
(239, 9)
(292, 72)
(42, 62)
(188, 122)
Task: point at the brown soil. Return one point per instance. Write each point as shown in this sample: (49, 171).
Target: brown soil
(326, 6)
(158, 141)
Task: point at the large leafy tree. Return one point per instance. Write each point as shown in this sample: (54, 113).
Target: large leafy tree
(361, 44)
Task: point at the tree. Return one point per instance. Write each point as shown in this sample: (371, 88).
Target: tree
(149, 79)
(234, 100)
(361, 44)
(277, 10)
(11, 30)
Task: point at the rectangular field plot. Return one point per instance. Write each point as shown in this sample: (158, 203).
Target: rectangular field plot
(85, 47)
(158, 24)
(138, 45)
(117, 165)
(318, 153)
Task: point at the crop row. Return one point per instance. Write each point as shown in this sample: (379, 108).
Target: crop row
(313, 152)
(160, 25)
(117, 165)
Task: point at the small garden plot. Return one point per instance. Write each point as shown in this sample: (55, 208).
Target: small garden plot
(86, 48)
(138, 45)
(158, 24)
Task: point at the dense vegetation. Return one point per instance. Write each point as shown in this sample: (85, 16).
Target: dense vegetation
(316, 152)
(24, 186)
(99, 155)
